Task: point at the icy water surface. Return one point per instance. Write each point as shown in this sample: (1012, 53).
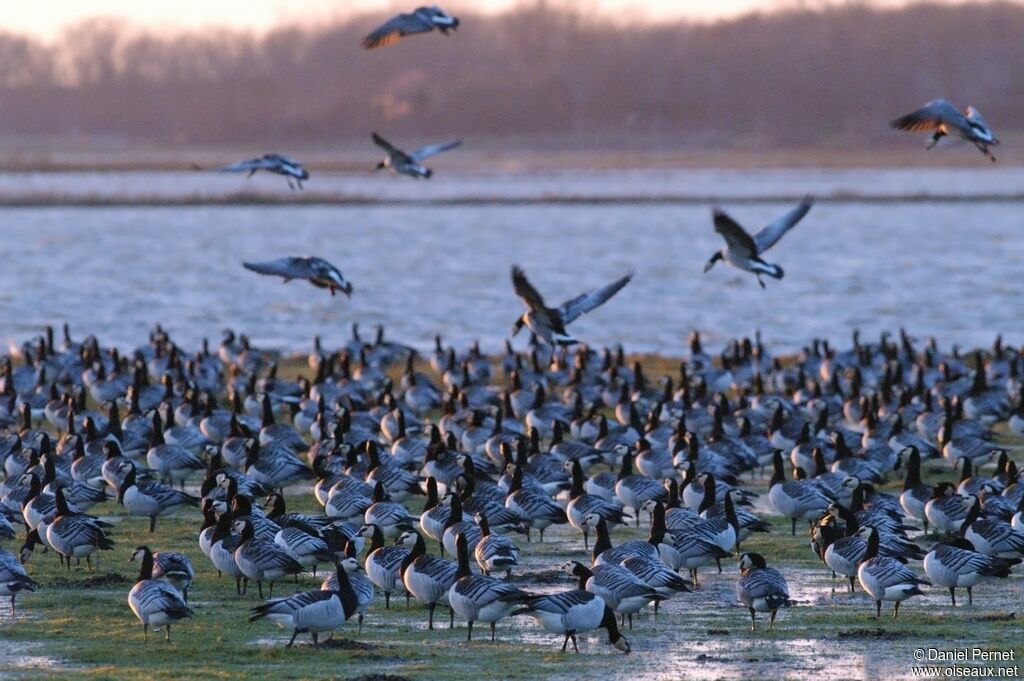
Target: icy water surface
(942, 268)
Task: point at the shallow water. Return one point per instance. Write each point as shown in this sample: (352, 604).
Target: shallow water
(948, 269)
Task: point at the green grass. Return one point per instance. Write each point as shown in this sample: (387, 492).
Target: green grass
(80, 621)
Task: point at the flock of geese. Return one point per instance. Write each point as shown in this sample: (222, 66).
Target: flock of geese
(497, 451)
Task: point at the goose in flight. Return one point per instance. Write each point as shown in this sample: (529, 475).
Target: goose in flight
(744, 251)
(549, 323)
(420, 20)
(941, 118)
(403, 163)
(316, 271)
(272, 163)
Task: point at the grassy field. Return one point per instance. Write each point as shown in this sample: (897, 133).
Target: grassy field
(78, 624)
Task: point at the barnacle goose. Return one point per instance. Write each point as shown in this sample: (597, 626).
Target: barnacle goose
(494, 551)
(618, 587)
(536, 507)
(362, 587)
(480, 597)
(794, 499)
(636, 490)
(261, 559)
(153, 601)
(312, 612)
(384, 564)
(574, 612)
(761, 588)
(75, 535)
(886, 579)
(955, 564)
(151, 499)
(13, 577)
(174, 568)
(428, 578)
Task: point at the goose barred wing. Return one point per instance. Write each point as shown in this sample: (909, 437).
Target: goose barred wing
(526, 292)
(558, 603)
(771, 233)
(765, 583)
(962, 561)
(429, 150)
(580, 305)
(172, 563)
(289, 604)
(157, 596)
(243, 166)
(395, 29)
(289, 268)
(735, 236)
(935, 114)
(167, 496)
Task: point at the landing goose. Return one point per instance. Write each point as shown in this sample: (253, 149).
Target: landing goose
(549, 323)
(316, 271)
(574, 612)
(384, 563)
(421, 20)
(956, 564)
(153, 601)
(744, 251)
(261, 559)
(151, 499)
(279, 164)
(940, 118)
(410, 164)
(13, 577)
(794, 499)
(761, 588)
(312, 612)
(481, 598)
(428, 578)
(886, 579)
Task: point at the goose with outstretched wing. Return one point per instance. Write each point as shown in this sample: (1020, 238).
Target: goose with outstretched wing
(941, 118)
(316, 271)
(420, 20)
(549, 323)
(411, 164)
(744, 251)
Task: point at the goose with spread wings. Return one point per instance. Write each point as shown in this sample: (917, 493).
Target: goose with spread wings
(403, 163)
(941, 118)
(744, 251)
(278, 164)
(316, 271)
(549, 323)
(420, 20)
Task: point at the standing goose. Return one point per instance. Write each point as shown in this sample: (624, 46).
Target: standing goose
(532, 504)
(223, 542)
(633, 491)
(174, 568)
(915, 494)
(941, 118)
(174, 463)
(361, 586)
(886, 579)
(992, 536)
(404, 163)
(457, 525)
(480, 598)
(494, 551)
(421, 20)
(384, 563)
(574, 612)
(390, 516)
(153, 601)
(956, 564)
(151, 499)
(13, 577)
(435, 514)
(316, 271)
(794, 499)
(549, 323)
(621, 590)
(582, 504)
(605, 553)
(312, 612)
(428, 578)
(261, 559)
(744, 251)
(75, 535)
(761, 588)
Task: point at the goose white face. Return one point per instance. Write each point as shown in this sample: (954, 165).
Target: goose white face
(239, 525)
(137, 555)
(350, 565)
(865, 532)
(620, 450)
(568, 567)
(852, 482)
(407, 539)
(591, 519)
(365, 531)
(622, 644)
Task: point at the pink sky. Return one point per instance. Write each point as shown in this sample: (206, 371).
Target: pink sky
(46, 18)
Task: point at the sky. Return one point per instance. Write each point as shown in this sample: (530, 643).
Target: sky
(46, 18)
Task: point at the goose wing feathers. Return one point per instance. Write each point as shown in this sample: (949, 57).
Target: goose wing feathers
(395, 28)
(585, 302)
(735, 236)
(774, 231)
(289, 268)
(936, 114)
(429, 150)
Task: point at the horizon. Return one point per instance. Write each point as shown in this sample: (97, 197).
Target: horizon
(47, 20)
